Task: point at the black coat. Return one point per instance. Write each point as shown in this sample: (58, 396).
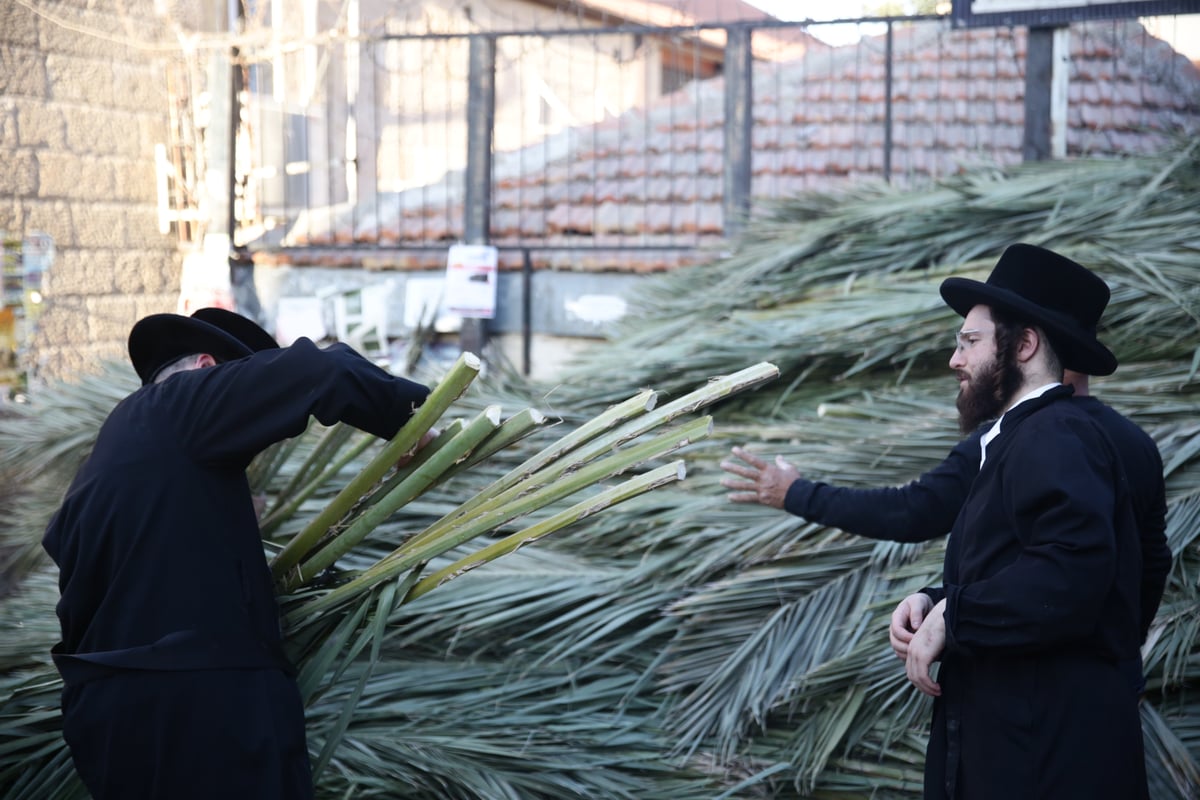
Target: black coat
(1040, 674)
(926, 508)
(918, 511)
(161, 564)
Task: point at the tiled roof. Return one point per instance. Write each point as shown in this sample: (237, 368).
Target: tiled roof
(653, 176)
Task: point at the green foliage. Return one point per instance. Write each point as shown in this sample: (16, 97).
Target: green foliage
(680, 646)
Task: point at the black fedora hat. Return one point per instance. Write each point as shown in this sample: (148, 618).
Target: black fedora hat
(1051, 291)
(241, 328)
(157, 340)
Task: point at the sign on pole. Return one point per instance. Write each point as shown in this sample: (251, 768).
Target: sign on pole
(471, 280)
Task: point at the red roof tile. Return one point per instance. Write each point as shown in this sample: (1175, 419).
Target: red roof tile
(655, 176)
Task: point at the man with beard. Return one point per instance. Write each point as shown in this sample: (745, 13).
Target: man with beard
(926, 508)
(1037, 623)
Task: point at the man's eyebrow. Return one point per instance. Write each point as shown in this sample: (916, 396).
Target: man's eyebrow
(965, 331)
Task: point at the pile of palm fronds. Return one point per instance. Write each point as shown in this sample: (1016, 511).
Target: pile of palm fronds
(680, 646)
(335, 611)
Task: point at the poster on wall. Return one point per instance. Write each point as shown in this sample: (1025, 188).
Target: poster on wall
(37, 254)
(204, 280)
(471, 274)
(12, 272)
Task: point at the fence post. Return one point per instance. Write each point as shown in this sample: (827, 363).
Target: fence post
(889, 58)
(1041, 64)
(739, 120)
(526, 311)
(477, 204)
(241, 263)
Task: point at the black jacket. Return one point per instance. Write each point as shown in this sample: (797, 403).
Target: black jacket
(157, 542)
(1042, 581)
(926, 508)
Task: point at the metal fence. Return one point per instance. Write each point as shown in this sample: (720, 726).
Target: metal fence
(641, 145)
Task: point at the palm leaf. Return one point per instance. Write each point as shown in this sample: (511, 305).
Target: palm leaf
(677, 645)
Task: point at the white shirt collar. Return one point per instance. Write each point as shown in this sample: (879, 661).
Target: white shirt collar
(994, 431)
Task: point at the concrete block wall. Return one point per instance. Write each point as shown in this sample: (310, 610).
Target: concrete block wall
(83, 101)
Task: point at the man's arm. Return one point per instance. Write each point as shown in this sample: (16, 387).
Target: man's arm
(1152, 536)
(918, 511)
(232, 411)
(1143, 470)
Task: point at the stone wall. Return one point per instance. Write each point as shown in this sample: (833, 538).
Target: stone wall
(83, 101)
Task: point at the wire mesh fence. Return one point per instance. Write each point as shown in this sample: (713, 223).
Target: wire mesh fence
(612, 143)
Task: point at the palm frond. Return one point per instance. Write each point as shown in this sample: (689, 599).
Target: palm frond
(678, 645)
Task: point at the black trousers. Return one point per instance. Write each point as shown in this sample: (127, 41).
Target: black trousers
(148, 735)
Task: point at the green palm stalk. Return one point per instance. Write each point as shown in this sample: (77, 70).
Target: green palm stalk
(287, 504)
(457, 528)
(458, 448)
(455, 382)
(675, 471)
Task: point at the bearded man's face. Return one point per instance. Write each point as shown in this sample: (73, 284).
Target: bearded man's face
(987, 378)
(979, 396)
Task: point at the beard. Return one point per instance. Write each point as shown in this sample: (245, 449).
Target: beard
(988, 392)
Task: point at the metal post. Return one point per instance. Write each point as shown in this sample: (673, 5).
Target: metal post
(526, 311)
(235, 118)
(887, 106)
(1039, 75)
(1059, 94)
(739, 119)
(477, 211)
(241, 263)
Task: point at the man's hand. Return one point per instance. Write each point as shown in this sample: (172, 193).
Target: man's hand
(765, 483)
(906, 619)
(926, 648)
(427, 437)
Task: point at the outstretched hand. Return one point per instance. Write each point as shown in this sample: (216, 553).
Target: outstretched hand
(765, 482)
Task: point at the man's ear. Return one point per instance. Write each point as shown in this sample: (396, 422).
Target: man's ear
(205, 360)
(1031, 341)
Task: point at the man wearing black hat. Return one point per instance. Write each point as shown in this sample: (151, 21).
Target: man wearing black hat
(175, 682)
(1037, 623)
(926, 508)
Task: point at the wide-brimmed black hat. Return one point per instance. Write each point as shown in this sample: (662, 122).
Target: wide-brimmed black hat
(157, 340)
(244, 329)
(1051, 291)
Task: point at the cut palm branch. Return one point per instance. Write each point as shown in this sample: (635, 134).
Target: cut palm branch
(418, 480)
(675, 471)
(457, 528)
(289, 500)
(572, 463)
(446, 392)
(581, 459)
